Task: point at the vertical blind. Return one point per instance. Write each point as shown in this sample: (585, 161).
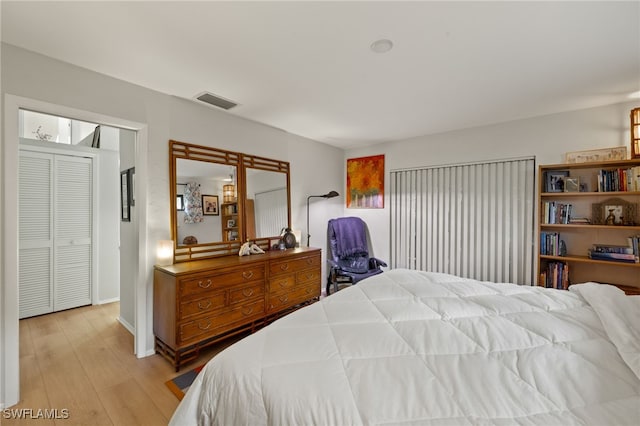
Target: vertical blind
(471, 220)
(271, 212)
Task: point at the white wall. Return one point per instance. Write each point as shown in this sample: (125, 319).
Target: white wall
(316, 167)
(547, 138)
(128, 236)
(108, 216)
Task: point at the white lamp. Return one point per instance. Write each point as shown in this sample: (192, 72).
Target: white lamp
(164, 252)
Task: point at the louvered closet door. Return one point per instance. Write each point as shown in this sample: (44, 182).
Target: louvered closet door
(73, 229)
(35, 200)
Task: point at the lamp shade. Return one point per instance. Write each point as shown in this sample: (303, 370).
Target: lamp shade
(330, 194)
(229, 193)
(164, 252)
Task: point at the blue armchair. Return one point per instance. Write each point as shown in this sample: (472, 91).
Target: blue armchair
(348, 256)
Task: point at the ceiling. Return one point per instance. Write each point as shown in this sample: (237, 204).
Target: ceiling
(307, 67)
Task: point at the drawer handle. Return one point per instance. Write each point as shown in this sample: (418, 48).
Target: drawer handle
(284, 267)
(310, 262)
(247, 311)
(206, 327)
(311, 275)
(247, 275)
(284, 298)
(204, 306)
(247, 292)
(283, 284)
(204, 284)
(308, 290)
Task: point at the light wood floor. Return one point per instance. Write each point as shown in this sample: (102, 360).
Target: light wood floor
(82, 360)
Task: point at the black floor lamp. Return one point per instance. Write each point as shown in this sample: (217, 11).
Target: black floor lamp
(327, 195)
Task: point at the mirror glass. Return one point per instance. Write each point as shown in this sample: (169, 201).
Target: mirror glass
(201, 213)
(266, 203)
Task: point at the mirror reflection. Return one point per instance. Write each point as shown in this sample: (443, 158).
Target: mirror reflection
(206, 202)
(267, 211)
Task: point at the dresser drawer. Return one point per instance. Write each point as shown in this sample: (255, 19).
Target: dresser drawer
(288, 266)
(238, 295)
(282, 283)
(211, 325)
(300, 294)
(209, 303)
(208, 282)
(309, 276)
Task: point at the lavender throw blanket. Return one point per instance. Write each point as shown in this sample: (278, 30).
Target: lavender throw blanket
(350, 237)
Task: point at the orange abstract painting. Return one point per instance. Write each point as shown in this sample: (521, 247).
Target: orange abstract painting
(365, 182)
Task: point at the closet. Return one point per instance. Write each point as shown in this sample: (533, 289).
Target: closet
(55, 232)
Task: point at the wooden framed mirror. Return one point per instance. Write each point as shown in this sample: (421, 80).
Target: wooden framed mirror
(199, 223)
(223, 198)
(267, 198)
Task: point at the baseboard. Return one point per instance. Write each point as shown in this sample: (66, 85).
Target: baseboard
(104, 302)
(148, 353)
(131, 329)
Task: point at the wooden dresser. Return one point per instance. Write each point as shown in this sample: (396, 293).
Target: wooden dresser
(201, 302)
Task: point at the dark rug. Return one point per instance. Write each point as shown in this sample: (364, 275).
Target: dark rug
(180, 385)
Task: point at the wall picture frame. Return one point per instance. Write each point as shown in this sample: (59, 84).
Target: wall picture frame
(132, 185)
(210, 205)
(365, 182)
(125, 196)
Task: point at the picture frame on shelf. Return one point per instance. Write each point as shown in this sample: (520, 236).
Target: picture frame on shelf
(572, 184)
(555, 180)
(231, 223)
(614, 211)
(210, 205)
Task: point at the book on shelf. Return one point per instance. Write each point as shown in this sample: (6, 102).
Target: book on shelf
(611, 248)
(557, 213)
(555, 275)
(552, 245)
(634, 243)
(579, 221)
(619, 180)
(614, 257)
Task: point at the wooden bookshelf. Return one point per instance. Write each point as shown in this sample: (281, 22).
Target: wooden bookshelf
(592, 203)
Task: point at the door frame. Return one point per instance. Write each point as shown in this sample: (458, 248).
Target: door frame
(9, 325)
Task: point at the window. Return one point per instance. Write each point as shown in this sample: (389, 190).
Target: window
(51, 128)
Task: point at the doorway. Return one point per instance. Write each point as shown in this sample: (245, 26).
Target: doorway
(69, 192)
(9, 331)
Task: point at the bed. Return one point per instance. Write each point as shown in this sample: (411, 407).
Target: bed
(409, 347)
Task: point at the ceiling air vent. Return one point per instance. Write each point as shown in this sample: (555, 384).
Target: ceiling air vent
(216, 101)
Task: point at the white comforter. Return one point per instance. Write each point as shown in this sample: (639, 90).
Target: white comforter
(409, 347)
